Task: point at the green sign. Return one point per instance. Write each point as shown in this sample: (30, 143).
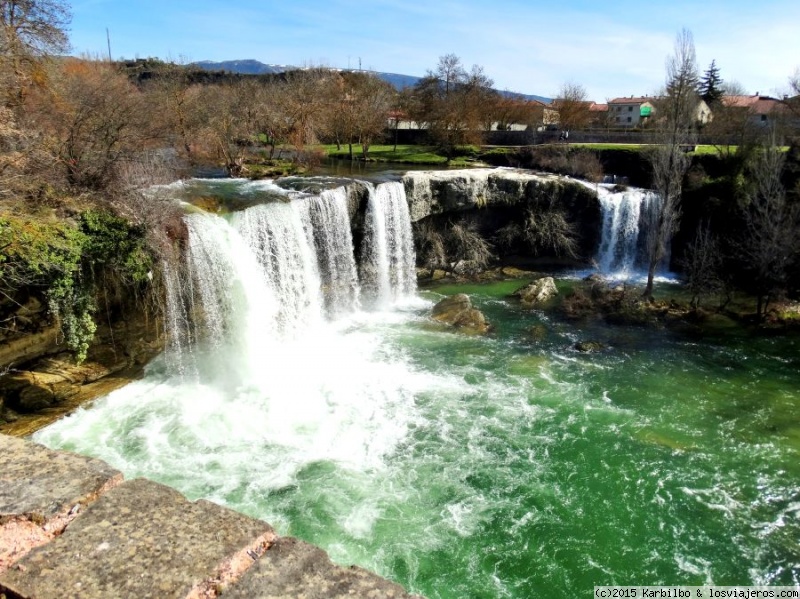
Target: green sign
(645, 111)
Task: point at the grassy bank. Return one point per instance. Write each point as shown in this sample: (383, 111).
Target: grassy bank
(407, 154)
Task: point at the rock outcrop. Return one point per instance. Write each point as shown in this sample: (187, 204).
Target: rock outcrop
(458, 312)
(437, 192)
(536, 293)
(40, 374)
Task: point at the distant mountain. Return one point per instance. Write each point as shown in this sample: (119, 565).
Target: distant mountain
(244, 67)
(254, 67)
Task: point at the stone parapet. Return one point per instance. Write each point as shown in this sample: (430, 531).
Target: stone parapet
(70, 527)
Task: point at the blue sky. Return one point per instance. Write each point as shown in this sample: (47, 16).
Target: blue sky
(612, 47)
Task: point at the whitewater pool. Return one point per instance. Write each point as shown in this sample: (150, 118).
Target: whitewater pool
(510, 465)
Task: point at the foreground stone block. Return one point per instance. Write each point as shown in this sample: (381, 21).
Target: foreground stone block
(142, 539)
(292, 568)
(41, 491)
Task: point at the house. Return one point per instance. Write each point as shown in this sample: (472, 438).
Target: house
(630, 112)
(761, 110)
(702, 113)
(599, 115)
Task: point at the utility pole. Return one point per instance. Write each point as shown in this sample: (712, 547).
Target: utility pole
(108, 39)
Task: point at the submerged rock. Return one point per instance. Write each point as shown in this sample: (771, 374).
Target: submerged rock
(589, 346)
(458, 312)
(537, 292)
(538, 332)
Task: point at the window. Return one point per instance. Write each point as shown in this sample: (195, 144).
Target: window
(763, 118)
(629, 119)
(630, 108)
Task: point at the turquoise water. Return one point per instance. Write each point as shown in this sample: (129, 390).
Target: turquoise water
(502, 466)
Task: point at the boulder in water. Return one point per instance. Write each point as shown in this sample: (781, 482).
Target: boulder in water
(513, 272)
(594, 279)
(537, 292)
(589, 346)
(458, 312)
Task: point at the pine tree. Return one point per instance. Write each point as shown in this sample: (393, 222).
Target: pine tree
(710, 88)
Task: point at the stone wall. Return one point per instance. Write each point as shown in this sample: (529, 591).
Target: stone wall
(71, 527)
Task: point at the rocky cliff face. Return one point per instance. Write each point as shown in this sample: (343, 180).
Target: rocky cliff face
(39, 374)
(511, 209)
(436, 192)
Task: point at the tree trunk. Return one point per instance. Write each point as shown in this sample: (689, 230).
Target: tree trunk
(651, 273)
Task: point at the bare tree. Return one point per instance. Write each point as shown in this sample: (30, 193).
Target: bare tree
(510, 109)
(97, 120)
(572, 106)
(359, 110)
(669, 159)
(456, 105)
(228, 123)
(793, 103)
(732, 87)
(302, 104)
(374, 99)
(174, 100)
(702, 264)
(450, 72)
(772, 228)
(29, 31)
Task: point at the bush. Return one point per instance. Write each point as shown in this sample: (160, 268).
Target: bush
(68, 265)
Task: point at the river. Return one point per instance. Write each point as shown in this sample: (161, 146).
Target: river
(510, 465)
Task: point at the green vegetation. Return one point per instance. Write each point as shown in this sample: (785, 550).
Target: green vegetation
(66, 263)
(411, 154)
(609, 146)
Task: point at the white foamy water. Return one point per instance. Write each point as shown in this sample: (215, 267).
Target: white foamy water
(622, 253)
(388, 272)
(271, 364)
(450, 463)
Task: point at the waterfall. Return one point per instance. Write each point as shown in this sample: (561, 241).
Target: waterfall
(270, 273)
(277, 235)
(178, 320)
(231, 304)
(388, 262)
(333, 240)
(622, 240)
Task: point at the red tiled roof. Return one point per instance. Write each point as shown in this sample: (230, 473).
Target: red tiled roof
(756, 104)
(631, 100)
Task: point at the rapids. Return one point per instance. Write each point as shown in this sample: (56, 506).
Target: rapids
(319, 397)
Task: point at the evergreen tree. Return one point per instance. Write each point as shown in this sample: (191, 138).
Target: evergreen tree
(710, 88)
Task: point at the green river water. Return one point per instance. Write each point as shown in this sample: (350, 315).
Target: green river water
(509, 465)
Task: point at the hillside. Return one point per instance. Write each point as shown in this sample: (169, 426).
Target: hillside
(255, 67)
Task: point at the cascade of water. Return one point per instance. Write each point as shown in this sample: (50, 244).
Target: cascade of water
(178, 320)
(387, 252)
(621, 236)
(277, 268)
(236, 306)
(277, 236)
(334, 244)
